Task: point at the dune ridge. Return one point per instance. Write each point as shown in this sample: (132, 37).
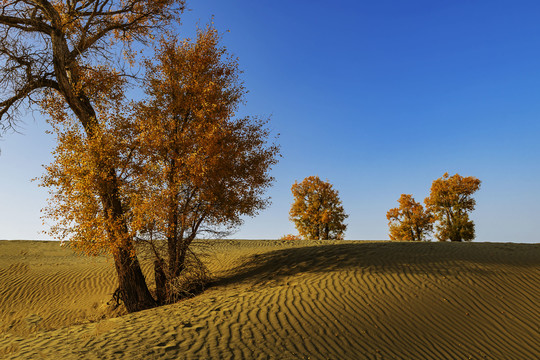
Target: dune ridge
(288, 300)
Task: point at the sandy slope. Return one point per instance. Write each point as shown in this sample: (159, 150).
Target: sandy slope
(276, 300)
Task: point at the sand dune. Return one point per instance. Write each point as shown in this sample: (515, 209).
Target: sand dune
(284, 300)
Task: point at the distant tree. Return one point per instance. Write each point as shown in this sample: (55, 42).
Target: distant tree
(290, 237)
(409, 221)
(68, 49)
(450, 201)
(316, 210)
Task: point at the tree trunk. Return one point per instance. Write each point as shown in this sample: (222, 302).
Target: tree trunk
(413, 238)
(181, 262)
(161, 282)
(177, 255)
(174, 245)
(131, 282)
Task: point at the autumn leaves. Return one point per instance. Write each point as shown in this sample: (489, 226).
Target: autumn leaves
(316, 210)
(171, 166)
(184, 165)
(409, 221)
(318, 214)
(447, 207)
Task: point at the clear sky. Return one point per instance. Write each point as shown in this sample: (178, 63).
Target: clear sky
(378, 97)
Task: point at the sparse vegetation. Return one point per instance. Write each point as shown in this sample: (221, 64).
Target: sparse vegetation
(448, 206)
(316, 210)
(290, 237)
(450, 201)
(409, 221)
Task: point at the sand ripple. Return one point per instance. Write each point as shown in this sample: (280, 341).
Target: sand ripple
(345, 300)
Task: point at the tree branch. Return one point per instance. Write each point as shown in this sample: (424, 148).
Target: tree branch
(22, 93)
(28, 25)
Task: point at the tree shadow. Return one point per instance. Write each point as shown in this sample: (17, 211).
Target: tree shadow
(383, 257)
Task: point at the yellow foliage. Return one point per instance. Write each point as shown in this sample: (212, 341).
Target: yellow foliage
(450, 201)
(180, 162)
(65, 54)
(199, 166)
(316, 210)
(290, 237)
(409, 221)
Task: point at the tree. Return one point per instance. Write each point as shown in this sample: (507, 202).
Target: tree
(409, 221)
(450, 200)
(200, 169)
(316, 210)
(64, 49)
(184, 164)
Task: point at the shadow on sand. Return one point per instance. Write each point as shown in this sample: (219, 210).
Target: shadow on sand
(385, 257)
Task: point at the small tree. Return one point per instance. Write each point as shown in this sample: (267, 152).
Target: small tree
(409, 221)
(450, 200)
(316, 210)
(290, 237)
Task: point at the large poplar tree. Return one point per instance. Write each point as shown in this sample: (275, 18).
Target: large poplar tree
(63, 49)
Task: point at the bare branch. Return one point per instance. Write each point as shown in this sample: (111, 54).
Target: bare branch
(28, 25)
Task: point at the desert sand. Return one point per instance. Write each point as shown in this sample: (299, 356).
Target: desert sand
(283, 300)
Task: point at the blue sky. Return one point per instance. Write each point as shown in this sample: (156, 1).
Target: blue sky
(378, 97)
